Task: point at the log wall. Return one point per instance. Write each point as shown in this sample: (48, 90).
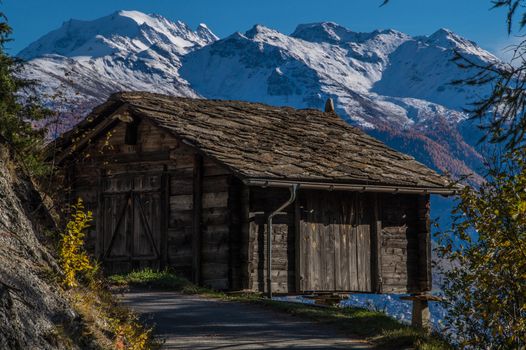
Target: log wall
(347, 241)
(261, 202)
(196, 190)
(405, 243)
(214, 227)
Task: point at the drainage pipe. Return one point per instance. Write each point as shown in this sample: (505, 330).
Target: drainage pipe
(293, 192)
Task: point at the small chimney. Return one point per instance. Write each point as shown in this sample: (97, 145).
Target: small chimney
(329, 106)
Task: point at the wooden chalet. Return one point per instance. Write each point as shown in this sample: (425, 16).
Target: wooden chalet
(197, 185)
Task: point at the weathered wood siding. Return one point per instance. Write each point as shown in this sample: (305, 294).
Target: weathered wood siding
(405, 243)
(335, 241)
(109, 169)
(124, 186)
(346, 241)
(262, 201)
(216, 225)
(200, 220)
(180, 218)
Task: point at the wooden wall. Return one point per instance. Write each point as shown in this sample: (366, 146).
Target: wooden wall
(405, 243)
(180, 218)
(216, 227)
(262, 201)
(335, 241)
(198, 226)
(347, 241)
(212, 228)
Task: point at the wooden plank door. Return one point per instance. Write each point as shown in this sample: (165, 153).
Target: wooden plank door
(116, 226)
(334, 242)
(131, 215)
(146, 229)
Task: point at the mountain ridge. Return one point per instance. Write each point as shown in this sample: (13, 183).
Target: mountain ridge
(393, 85)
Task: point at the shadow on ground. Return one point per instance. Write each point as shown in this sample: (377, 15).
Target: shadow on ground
(192, 322)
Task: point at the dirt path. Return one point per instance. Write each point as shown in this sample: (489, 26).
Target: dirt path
(192, 322)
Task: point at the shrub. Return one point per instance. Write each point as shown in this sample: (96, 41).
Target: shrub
(130, 334)
(73, 257)
(486, 286)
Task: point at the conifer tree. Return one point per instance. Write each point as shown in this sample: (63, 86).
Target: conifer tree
(19, 109)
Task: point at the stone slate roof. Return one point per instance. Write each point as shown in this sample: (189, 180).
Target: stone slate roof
(265, 142)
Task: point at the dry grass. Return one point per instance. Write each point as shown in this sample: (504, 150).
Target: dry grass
(102, 323)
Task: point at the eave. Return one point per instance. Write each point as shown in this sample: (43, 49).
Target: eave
(328, 186)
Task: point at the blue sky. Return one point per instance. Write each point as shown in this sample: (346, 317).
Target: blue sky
(31, 19)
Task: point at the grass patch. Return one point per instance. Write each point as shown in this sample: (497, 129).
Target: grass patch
(383, 331)
(380, 329)
(156, 279)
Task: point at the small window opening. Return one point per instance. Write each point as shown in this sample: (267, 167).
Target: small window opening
(131, 133)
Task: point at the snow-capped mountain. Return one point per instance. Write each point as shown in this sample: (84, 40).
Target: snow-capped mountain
(395, 86)
(82, 62)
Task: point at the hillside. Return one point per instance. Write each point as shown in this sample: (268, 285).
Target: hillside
(34, 311)
(38, 309)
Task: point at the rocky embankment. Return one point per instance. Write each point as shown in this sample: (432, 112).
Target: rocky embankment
(34, 311)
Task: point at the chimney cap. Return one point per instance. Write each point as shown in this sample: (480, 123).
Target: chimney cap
(329, 106)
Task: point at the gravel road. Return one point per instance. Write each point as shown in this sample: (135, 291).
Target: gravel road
(193, 322)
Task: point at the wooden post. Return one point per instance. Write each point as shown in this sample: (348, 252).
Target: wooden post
(99, 226)
(298, 247)
(424, 244)
(165, 212)
(376, 245)
(130, 226)
(421, 316)
(196, 219)
(246, 250)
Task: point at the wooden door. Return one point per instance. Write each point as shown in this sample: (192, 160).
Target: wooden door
(131, 225)
(334, 242)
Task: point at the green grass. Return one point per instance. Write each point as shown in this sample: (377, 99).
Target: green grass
(156, 279)
(383, 331)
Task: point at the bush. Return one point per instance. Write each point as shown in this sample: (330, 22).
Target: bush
(486, 286)
(131, 335)
(73, 258)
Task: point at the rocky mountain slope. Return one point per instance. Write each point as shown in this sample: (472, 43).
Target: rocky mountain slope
(395, 86)
(83, 62)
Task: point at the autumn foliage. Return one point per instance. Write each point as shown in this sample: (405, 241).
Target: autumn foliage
(486, 288)
(73, 258)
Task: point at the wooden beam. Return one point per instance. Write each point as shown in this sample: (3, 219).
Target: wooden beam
(90, 135)
(421, 316)
(233, 231)
(422, 297)
(245, 237)
(376, 245)
(424, 243)
(99, 237)
(297, 245)
(145, 157)
(165, 212)
(197, 218)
